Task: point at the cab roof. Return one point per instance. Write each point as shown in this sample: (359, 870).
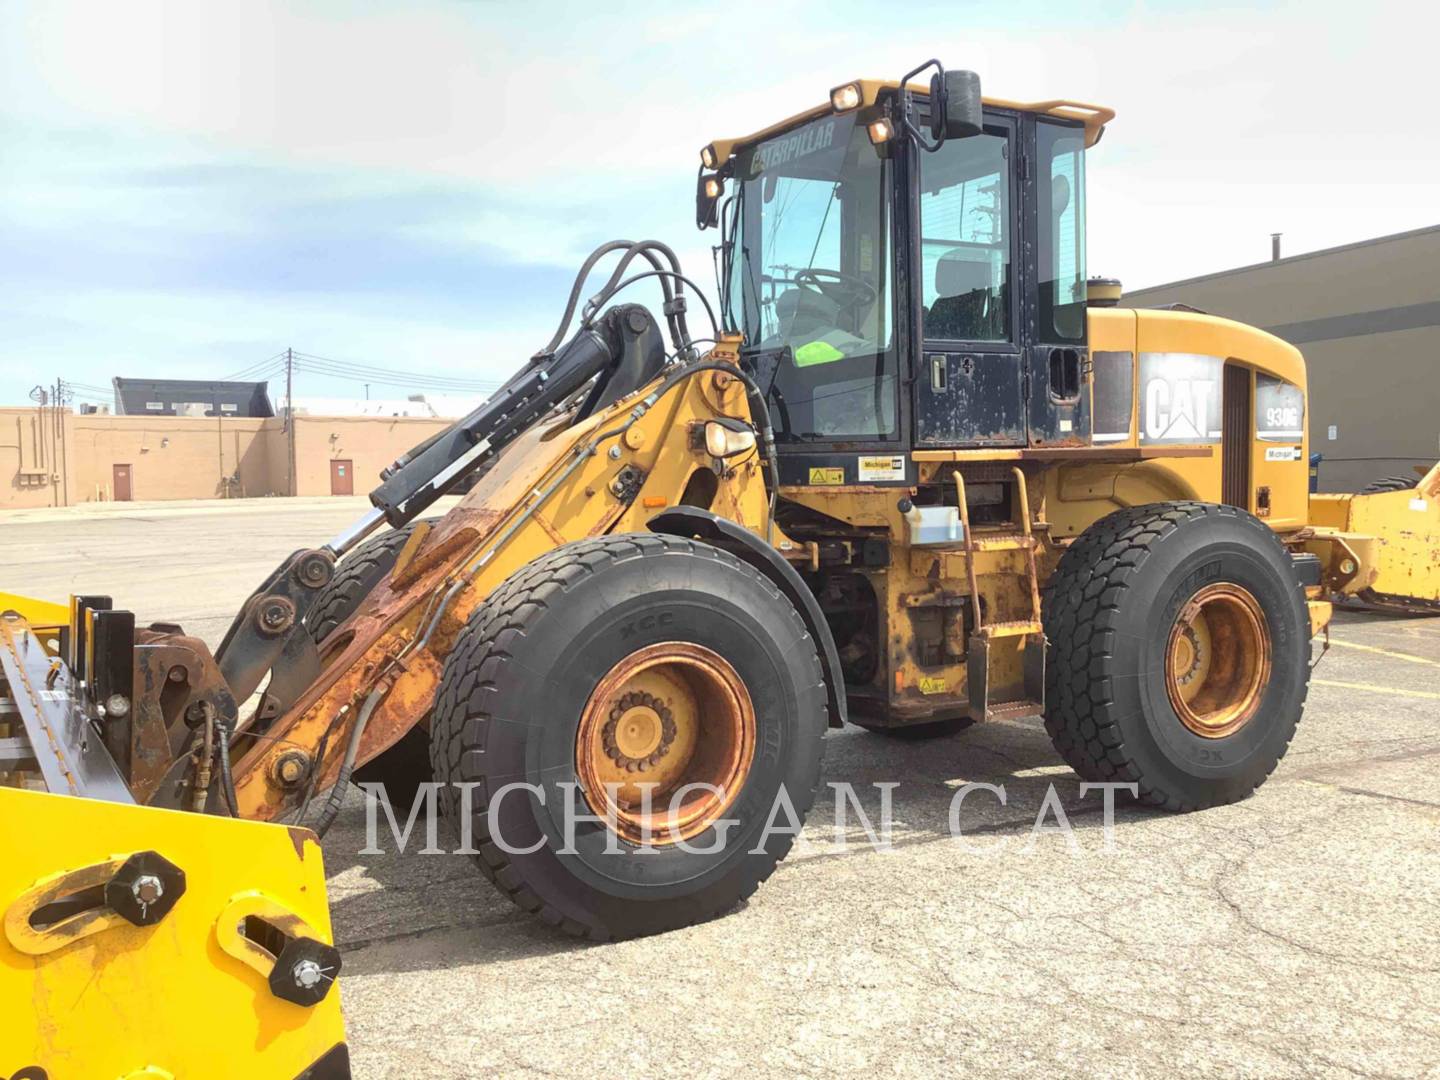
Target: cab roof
(1094, 117)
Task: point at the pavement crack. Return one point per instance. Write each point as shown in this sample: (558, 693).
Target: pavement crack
(1390, 798)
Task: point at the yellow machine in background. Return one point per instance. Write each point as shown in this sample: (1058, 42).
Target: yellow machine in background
(1383, 546)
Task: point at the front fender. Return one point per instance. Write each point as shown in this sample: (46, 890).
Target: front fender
(697, 523)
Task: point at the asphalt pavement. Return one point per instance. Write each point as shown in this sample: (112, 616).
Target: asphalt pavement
(1292, 934)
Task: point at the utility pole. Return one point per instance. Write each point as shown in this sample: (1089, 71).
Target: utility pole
(220, 450)
(290, 418)
(367, 391)
(63, 395)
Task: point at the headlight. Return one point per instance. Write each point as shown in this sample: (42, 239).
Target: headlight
(707, 156)
(713, 187)
(881, 131)
(723, 442)
(844, 98)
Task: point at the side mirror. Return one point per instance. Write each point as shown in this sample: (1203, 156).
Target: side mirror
(708, 190)
(956, 110)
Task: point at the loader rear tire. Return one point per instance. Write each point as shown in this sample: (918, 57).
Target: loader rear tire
(1178, 653)
(406, 765)
(549, 656)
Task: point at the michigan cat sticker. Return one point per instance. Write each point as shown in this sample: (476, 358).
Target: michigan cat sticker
(880, 469)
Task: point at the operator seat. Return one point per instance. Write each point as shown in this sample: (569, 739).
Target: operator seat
(967, 308)
(801, 311)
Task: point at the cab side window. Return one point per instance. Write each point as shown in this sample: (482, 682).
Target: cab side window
(965, 240)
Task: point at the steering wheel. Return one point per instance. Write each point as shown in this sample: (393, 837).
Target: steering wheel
(845, 290)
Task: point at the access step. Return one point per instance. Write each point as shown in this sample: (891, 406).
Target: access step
(1018, 628)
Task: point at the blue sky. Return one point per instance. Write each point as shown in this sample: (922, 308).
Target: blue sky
(188, 188)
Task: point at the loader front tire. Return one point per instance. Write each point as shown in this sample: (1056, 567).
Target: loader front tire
(625, 660)
(1178, 653)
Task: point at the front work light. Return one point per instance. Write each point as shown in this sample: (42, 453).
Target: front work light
(707, 156)
(713, 187)
(844, 98)
(881, 131)
(722, 440)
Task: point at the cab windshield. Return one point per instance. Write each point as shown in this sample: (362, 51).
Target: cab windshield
(807, 280)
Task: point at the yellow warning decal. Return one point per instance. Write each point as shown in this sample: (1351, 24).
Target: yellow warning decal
(929, 685)
(827, 476)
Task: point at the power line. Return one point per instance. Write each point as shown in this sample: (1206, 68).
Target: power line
(357, 369)
(247, 371)
(402, 380)
(325, 367)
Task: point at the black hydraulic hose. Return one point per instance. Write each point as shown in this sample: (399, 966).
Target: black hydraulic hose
(580, 278)
(347, 766)
(227, 781)
(593, 305)
(674, 301)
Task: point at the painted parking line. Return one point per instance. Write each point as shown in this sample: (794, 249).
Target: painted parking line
(1392, 690)
(1409, 657)
(1425, 629)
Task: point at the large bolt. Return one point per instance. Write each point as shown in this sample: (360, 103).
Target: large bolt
(304, 971)
(307, 974)
(144, 888)
(276, 615)
(314, 569)
(117, 705)
(147, 889)
(291, 768)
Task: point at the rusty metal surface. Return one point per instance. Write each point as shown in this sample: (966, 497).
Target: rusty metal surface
(380, 641)
(173, 673)
(666, 716)
(1217, 660)
(399, 636)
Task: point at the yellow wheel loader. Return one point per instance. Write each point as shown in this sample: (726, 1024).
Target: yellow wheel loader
(915, 474)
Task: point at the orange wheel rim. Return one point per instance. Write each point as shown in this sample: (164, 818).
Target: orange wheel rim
(666, 717)
(1217, 660)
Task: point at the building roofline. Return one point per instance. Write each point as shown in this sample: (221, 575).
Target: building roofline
(1286, 260)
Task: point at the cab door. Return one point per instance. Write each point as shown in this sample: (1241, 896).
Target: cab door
(969, 389)
(1058, 371)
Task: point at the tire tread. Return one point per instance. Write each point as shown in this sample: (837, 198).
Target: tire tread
(469, 683)
(1081, 605)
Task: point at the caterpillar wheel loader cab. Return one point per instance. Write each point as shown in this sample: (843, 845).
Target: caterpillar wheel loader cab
(918, 478)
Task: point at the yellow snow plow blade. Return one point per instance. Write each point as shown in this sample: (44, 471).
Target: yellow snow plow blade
(37, 613)
(151, 943)
(1383, 547)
